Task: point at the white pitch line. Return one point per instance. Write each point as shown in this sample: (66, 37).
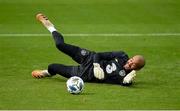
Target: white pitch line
(99, 34)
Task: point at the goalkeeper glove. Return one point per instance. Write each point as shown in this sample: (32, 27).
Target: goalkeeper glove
(129, 77)
(98, 71)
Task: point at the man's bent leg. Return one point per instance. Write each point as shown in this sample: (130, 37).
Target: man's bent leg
(75, 52)
(65, 71)
(78, 54)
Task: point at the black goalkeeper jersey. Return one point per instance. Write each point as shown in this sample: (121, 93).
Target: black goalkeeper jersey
(112, 64)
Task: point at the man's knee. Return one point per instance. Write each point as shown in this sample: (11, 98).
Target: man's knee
(59, 45)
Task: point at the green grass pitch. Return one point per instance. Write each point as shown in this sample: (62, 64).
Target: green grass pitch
(157, 86)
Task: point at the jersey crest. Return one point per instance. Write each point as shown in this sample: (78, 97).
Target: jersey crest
(122, 73)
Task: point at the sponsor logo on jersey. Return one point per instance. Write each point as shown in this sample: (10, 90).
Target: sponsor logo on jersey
(122, 73)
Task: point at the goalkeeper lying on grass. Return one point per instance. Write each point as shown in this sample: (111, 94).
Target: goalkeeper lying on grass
(107, 67)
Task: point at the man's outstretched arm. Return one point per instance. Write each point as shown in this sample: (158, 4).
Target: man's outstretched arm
(98, 71)
(109, 56)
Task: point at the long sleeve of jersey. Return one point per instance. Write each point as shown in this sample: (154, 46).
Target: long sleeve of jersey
(109, 56)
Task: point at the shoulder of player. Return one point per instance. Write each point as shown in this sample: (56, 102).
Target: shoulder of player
(120, 53)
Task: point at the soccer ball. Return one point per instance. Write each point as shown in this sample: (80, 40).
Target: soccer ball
(75, 85)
